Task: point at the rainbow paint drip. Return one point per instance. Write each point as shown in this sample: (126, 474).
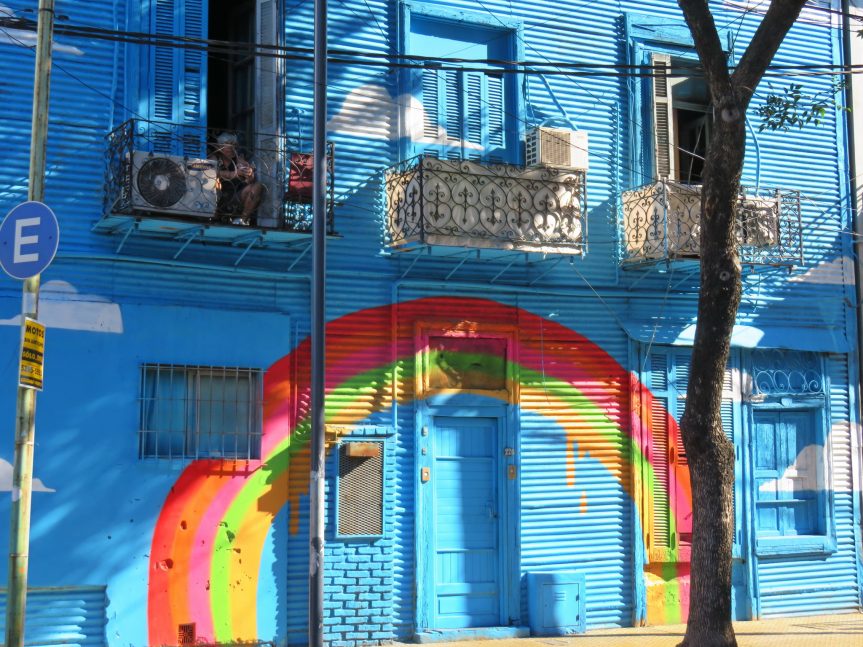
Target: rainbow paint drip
(209, 538)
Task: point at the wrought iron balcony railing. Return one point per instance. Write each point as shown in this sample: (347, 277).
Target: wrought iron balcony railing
(163, 170)
(661, 222)
(468, 204)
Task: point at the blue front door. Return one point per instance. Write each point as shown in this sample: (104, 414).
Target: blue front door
(465, 529)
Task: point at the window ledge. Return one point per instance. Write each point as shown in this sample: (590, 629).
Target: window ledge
(800, 545)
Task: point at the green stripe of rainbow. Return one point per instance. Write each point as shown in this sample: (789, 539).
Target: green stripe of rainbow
(209, 538)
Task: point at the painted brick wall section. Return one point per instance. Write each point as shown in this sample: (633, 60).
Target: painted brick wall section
(358, 580)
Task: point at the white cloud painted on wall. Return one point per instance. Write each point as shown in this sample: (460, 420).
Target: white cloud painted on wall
(369, 111)
(27, 38)
(802, 475)
(844, 436)
(839, 271)
(62, 307)
(6, 479)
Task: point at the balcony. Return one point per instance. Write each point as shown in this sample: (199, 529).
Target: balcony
(497, 206)
(162, 180)
(661, 223)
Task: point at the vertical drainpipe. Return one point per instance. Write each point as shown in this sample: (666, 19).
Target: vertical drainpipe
(319, 242)
(857, 228)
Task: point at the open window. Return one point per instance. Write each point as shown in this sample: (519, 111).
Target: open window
(681, 121)
(189, 95)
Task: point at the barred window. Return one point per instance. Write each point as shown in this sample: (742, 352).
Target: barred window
(200, 412)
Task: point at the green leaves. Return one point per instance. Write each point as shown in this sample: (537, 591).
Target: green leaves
(794, 107)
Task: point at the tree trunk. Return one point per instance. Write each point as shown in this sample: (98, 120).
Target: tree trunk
(710, 453)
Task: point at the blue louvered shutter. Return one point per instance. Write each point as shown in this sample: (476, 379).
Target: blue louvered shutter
(475, 136)
(463, 114)
(484, 136)
(452, 112)
(431, 103)
(176, 89)
(496, 122)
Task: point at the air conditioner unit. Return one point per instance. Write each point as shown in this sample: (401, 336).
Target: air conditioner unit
(560, 147)
(172, 184)
(758, 222)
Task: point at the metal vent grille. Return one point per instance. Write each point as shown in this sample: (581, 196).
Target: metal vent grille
(186, 634)
(555, 147)
(361, 486)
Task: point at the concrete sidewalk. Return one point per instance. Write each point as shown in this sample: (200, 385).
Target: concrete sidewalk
(811, 631)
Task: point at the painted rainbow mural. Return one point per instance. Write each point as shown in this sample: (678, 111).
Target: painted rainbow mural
(208, 541)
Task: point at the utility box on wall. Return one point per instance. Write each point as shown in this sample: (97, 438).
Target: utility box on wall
(556, 603)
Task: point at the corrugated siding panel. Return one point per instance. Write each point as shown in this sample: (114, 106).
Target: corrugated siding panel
(76, 130)
(579, 517)
(811, 585)
(62, 616)
(575, 510)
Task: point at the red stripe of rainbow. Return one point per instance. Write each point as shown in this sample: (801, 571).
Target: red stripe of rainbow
(208, 540)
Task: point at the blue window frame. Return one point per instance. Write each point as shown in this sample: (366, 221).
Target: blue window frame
(670, 113)
(790, 469)
(789, 476)
(470, 110)
(190, 412)
(792, 501)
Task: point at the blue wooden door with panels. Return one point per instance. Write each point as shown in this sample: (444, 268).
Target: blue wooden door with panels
(467, 475)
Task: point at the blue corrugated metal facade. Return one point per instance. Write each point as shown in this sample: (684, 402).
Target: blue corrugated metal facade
(205, 542)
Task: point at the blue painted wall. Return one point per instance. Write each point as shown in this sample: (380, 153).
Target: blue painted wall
(109, 312)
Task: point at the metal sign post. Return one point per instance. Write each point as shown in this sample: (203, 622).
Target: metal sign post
(27, 240)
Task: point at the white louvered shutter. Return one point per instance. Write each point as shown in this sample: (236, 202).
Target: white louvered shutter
(663, 118)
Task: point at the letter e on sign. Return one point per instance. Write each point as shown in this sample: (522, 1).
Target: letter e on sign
(28, 240)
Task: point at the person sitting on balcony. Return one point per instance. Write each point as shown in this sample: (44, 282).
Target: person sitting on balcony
(240, 192)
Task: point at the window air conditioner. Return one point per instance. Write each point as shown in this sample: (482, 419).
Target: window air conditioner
(758, 222)
(560, 147)
(172, 184)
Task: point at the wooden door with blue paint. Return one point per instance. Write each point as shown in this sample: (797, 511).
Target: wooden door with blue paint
(465, 519)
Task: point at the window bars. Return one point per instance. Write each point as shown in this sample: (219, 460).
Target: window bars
(190, 412)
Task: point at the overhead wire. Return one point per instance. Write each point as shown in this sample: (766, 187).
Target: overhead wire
(402, 60)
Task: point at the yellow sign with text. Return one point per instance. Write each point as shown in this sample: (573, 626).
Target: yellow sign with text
(32, 355)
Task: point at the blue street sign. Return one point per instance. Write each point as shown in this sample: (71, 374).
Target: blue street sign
(28, 240)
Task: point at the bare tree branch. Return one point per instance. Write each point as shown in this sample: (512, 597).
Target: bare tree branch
(707, 43)
(764, 44)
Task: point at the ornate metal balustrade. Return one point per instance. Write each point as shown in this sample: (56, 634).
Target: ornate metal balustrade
(468, 204)
(162, 170)
(662, 222)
